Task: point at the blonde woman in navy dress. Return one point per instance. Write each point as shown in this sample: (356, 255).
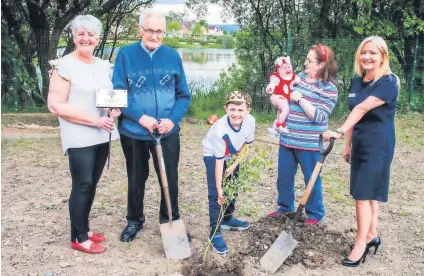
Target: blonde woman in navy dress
(370, 140)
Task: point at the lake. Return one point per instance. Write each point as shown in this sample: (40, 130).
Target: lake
(202, 66)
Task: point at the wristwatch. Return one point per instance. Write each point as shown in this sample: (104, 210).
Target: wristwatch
(340, 131)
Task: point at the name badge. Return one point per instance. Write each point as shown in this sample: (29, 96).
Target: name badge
(111, 98)
(351, 95)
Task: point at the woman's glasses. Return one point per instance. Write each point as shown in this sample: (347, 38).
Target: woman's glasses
(308, 61)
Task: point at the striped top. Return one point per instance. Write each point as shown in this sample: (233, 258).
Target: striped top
(304, 132)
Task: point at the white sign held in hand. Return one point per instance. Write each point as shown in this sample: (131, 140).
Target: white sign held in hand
(111, 98)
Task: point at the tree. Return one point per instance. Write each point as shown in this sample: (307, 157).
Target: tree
(175, 17)
(198, 29)
(37, 26)
(399, 22)
(173, 27)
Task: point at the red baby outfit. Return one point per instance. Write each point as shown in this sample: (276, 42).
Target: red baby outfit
(283, 87)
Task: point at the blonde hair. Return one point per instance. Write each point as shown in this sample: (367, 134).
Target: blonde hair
(384, 69)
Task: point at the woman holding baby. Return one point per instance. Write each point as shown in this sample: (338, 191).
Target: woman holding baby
(311, 103)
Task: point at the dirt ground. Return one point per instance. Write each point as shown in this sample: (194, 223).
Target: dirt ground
(35, 221)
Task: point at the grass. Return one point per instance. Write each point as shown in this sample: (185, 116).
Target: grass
(409, 129)
(29, 109)
(422, 232)
(100, 204)
(335, 186)
(17, 145)
(48, 206)
(248, 209)
(194, 208)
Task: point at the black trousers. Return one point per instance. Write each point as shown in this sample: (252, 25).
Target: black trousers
(86, 166)
(137, 154)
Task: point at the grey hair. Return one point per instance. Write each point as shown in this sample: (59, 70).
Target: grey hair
(146, 13)
(88, 22)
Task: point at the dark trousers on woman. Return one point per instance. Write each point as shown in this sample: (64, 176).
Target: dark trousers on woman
(137, 155)
(214, 207)
(86, 166)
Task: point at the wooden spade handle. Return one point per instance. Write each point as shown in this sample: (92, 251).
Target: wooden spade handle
(311, 184)
(164, 181)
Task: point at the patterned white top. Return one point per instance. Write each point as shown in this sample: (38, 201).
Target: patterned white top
(85, 79)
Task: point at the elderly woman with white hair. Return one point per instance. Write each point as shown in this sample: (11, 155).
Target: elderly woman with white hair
(84, 128)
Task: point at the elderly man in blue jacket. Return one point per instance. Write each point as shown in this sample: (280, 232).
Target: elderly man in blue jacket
(158, 98)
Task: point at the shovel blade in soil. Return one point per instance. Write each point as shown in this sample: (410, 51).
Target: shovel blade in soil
(175, 240)
(278, 252)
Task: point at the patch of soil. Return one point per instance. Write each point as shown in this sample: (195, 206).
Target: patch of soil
(318, 247)
(213, 266)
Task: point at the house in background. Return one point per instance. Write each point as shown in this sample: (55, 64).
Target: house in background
(186, 28)
(215, 30)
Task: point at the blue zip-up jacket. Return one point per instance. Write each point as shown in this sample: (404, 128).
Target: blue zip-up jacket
(157, 87)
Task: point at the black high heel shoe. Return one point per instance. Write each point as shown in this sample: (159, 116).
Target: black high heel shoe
(349, 263)
(373, 243)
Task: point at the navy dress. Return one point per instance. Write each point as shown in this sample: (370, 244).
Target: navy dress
(373, 139)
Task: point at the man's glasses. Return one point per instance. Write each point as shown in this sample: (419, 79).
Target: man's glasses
(150, 32)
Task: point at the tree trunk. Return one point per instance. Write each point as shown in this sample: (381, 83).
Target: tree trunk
(324, 21)
(115, 37)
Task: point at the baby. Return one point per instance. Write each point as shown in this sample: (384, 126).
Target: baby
(280, 86)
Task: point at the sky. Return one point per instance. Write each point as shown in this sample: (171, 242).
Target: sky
(213, 17)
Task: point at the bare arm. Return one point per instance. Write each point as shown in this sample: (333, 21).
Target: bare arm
(308, 107)
(243, 153)
(219, 168)
(359, 111)
(347, 153)
(57, 104)
(348, 142)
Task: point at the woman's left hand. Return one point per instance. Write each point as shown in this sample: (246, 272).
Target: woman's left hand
(331, 134)
(295, 96)
(114, 113)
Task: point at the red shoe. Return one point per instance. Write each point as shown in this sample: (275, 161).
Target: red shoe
(274, 214)
(94, 248)
(283, 125)
(310, 221)
(97, 237)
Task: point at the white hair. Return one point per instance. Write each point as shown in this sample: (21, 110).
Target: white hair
(88, 22)
(146, 13)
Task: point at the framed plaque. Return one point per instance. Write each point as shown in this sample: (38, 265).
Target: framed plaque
(111, 98)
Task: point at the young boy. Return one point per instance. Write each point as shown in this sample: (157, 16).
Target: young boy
(224, 139)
